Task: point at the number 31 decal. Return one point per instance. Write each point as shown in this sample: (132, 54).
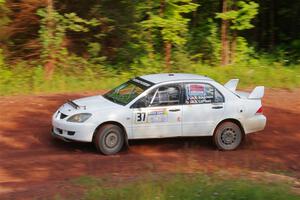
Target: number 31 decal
(140, 117)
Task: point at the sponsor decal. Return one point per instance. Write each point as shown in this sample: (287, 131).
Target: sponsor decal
(153, 116)
(199, 93)
(141, 82)
(196, 89)
(156, 116)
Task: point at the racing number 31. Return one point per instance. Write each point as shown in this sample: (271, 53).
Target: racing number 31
(141, 117)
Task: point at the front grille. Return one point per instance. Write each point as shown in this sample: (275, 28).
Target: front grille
(71, 132)
(62, 116)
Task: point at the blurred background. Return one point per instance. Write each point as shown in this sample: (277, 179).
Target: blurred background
(76, 45)
(87, 46)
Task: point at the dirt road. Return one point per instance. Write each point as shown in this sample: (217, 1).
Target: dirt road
(33, 165)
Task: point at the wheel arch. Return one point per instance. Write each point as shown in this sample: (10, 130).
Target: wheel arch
(114, 123)
(237, 122)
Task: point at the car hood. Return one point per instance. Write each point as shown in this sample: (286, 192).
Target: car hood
(88, 104)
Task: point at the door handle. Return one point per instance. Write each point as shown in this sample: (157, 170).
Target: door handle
(217, 107)
(174, 110)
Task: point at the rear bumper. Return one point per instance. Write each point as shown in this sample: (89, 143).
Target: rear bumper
(255, 124)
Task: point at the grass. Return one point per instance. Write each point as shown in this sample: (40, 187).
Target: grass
(32, 80)
(185, 187)
(250, 76)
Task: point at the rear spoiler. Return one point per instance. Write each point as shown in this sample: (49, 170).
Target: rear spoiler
(257, 93)
(232, 84)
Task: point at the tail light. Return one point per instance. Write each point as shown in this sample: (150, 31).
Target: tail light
(259, 111)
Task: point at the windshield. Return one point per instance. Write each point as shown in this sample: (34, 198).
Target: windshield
(125, 93)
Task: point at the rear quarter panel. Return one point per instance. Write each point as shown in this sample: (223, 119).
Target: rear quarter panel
(243, 110)
(232, 106)
(251, 121)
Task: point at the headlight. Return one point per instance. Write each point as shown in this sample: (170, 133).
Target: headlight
(82, 117)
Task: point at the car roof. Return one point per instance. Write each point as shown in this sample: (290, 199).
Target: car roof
(159, 78)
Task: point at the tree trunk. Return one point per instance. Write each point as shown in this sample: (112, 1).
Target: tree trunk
(149, 44)
(233, 39)
(272, 25)
(167, 44)
(233, 46)
(162, 8)
(168, 49)
(50, 63)
(149, 39)
(224, 38)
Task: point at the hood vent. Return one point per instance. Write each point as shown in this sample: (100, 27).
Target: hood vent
(62, 116)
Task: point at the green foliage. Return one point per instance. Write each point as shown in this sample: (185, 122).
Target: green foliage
(244, 54)
(214, 42)
(94, 50)
(181, 60)
(189, 188)
(5, 74)
(241, 18)
(2, 64)
(87, 181)
(170, 22)
(80, 75)
(54, 27)
(87, 77)
(4, 18)
(204, 42)
(127, 39)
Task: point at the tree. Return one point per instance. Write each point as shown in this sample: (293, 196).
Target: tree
(49, 49)
(53, 34)
(166, 17)
(239, 19)
(224, 36)
(4, 21)
(21, 33)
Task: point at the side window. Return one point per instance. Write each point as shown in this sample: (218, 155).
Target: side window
(218, 97)
(198, 93)
(144, 101)
(166, 96)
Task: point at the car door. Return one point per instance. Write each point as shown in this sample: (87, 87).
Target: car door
(159, 113)
(203, 107)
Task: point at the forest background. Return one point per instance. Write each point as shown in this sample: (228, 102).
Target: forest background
(85, 45)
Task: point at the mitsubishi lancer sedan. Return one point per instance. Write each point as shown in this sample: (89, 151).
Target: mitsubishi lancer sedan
(162, 106)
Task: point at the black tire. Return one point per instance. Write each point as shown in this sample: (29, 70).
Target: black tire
(228, 136)
(109, 139)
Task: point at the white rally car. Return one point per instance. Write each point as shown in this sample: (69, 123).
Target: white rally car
(160, 106)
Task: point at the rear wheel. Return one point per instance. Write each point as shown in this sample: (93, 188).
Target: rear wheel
(228, 136)
(109, 139)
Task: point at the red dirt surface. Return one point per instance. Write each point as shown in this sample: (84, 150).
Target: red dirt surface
(35, 166)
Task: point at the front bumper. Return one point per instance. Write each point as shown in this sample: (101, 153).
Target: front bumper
(82, 132)
(58, 136)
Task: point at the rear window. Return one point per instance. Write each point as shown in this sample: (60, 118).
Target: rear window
(200, 93)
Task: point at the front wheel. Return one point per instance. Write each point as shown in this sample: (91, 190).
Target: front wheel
(228, 136)
(109, 139)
